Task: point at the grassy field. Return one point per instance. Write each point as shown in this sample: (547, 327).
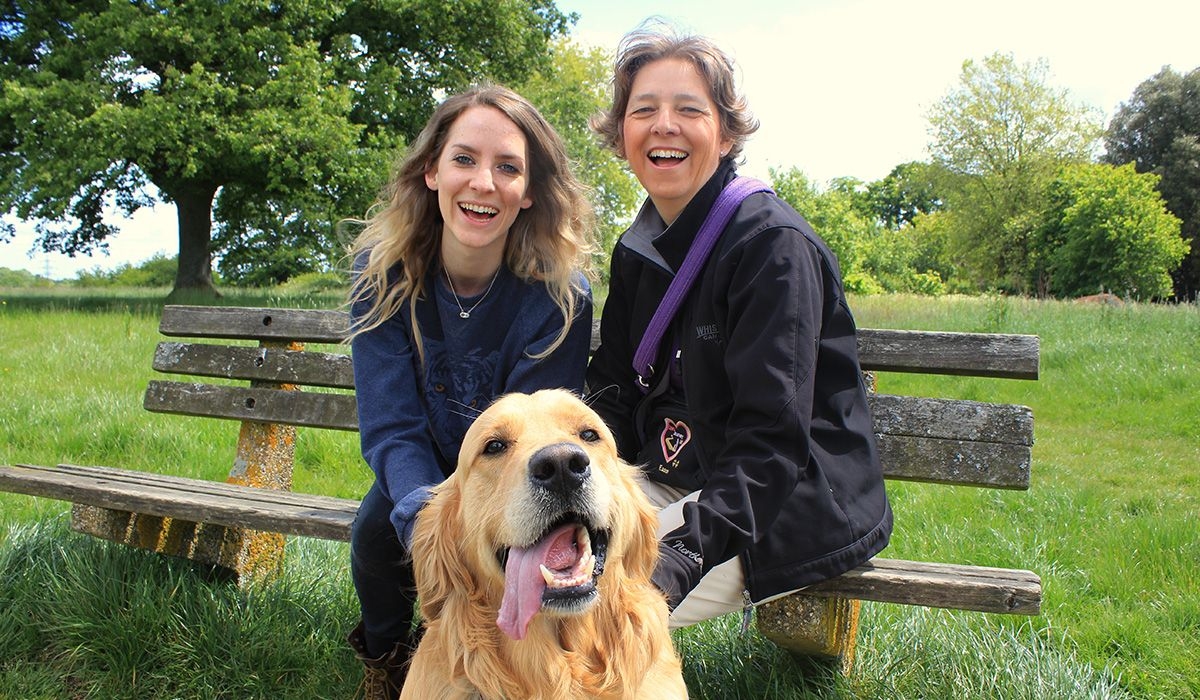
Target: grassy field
(1110, 524)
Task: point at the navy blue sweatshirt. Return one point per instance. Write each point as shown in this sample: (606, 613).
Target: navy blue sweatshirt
(412, 422)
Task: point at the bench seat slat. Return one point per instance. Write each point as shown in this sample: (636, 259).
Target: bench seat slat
(984, 589)
(930, 352)
(221, 488)
(188, 499)
(960, 587)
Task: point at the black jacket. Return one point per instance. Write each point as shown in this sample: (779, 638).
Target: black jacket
(771, 376)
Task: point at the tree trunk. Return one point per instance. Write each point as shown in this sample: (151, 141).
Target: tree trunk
(194, 275)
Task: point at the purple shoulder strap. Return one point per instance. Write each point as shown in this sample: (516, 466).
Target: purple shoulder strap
(727, 203)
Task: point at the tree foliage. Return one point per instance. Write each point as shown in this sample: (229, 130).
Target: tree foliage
(1158, 131)
(1107, 229)
(909, 190)
(1002, 133)
(832, 214)
(157, 271)
(282, 114)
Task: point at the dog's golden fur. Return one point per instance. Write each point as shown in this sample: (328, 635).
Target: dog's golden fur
(615, 644)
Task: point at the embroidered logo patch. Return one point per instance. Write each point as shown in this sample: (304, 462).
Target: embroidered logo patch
(675, 435)
(708, 332)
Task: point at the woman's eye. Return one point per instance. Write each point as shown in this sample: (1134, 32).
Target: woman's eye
(494, 447)
(510, 169)
(462, 159)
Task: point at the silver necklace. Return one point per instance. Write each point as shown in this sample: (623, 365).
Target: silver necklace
(466, 313)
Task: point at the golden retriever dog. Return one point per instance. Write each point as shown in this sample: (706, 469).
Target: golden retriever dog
(533, 565)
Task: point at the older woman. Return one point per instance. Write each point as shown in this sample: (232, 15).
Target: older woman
(754, 433)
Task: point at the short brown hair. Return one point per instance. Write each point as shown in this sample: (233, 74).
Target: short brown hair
(655, 40)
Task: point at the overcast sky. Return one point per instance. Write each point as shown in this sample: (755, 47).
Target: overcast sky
(841, 87)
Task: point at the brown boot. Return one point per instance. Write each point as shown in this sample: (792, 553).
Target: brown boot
(383, 676)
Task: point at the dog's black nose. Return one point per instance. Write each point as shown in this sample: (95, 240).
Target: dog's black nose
(560, 468)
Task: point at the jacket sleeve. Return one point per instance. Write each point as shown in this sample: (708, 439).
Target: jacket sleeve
(393, 429)
(774, 299)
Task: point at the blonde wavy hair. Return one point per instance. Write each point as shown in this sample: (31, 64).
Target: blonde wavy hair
(400, 241)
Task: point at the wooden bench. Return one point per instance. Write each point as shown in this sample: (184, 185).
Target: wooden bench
(240, 524)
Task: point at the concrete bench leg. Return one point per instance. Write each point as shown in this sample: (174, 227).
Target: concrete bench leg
(265, 458)
(810, 626)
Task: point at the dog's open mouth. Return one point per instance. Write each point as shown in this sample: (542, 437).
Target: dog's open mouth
(558, 572)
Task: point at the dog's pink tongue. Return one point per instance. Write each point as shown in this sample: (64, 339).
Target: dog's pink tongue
(523, 581)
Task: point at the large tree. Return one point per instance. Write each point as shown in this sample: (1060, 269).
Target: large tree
(1004, 132)
(273, 111)
(1158, 130)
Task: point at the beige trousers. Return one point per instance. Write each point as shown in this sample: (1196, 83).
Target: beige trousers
(721, 591)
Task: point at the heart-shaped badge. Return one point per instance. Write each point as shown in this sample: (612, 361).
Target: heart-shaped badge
(675, 435)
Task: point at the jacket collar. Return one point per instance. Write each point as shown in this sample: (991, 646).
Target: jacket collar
(667, 246)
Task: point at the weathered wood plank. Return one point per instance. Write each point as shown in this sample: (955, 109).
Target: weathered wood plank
(961, 448)
(960, 587)
(304, 325)
(308, 368)
(930, 352)
(951, 419)
(984, 589)
(222, 488)
(319, 410)
(944, 419)
(906, 416)
(956, 462)
(188, 499)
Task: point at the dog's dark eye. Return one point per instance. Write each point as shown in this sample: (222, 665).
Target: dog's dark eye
(589, 435)
(494, 447)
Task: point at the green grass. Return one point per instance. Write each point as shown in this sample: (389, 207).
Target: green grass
(1110, 524)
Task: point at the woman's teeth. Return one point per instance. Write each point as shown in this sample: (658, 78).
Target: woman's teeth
(667, 153)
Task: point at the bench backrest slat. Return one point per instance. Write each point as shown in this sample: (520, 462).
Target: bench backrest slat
(303, 325)
(301, 408)
(960, 443)
(307, 368)
(974, 354)
(988, 464)
(952, 419)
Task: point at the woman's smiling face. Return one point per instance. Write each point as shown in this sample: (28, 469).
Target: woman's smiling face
(482, 180)
(671, 133)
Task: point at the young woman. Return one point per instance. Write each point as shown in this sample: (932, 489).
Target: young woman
(755, 434)
(468, 283)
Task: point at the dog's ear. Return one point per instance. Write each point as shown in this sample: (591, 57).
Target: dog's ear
(438, 557)
(641, 556)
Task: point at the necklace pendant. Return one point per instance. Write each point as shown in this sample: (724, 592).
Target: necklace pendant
(464, 314)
